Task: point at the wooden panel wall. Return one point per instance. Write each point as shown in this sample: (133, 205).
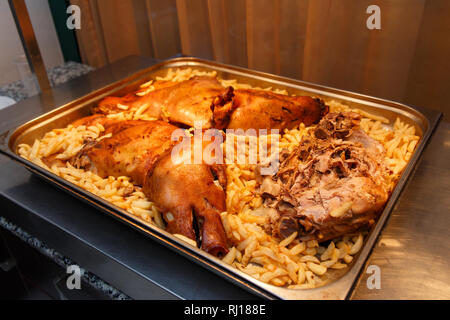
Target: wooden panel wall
(113, 29)
(321, 41)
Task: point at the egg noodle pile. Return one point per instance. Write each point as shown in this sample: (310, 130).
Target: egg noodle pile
(290, 263)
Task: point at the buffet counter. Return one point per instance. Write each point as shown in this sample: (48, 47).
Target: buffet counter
(412, 253)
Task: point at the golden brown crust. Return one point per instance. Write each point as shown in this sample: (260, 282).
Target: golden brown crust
(204, 100)
(186, 193)
(260, 109)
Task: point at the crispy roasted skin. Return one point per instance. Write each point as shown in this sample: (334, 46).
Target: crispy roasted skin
(132, 151)
(183, 189)
(186, 193)
(92, 120)
(112, 126)
(260, 109)
(185, 102)
(203, 99)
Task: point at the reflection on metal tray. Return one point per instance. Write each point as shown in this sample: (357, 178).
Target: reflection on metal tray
(423, 120)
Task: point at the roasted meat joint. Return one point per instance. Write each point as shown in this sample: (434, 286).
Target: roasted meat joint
(335, 168)
(333, 183)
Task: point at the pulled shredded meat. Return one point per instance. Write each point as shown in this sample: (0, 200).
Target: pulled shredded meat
(332, 184)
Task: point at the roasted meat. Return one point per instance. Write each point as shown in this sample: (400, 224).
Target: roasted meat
(186, 193)
(132, 151)
(189, 196)
(260, 109)
(185, 102)
(111, 125)
(204, 100)
(332, 184)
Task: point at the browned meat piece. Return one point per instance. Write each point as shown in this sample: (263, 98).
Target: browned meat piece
(111, 125)
(185, 102)
(184, 192)
(109, 104)
(92, 120)
(132, 151)
(203, 99)
(329, 187)
(337, 125)
(258, 109)
(371, 145)
(187, 193)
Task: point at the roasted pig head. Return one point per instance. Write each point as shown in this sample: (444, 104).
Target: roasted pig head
(190, 195)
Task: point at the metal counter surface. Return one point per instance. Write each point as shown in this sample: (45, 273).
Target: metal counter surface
(412, 252)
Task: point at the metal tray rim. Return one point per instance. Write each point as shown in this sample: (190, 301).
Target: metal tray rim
(338, 289)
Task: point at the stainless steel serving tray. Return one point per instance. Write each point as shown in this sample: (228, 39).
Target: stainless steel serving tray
(342, 281)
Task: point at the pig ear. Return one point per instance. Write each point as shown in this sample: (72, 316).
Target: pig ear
(222, 107)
